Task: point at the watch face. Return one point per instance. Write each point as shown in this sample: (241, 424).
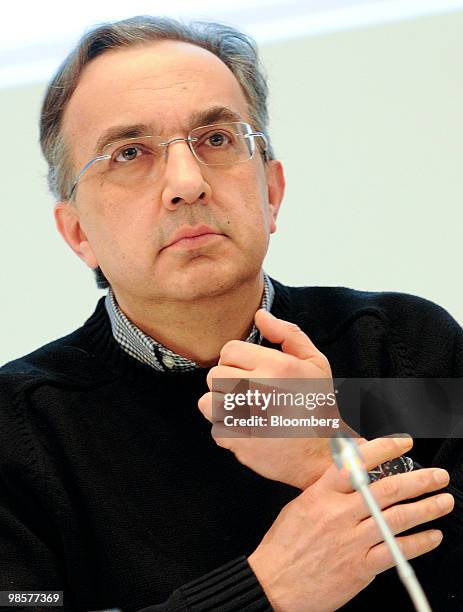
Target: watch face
(389, 468)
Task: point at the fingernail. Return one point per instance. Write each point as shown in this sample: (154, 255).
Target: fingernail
(436, 536)
(445, 502)
(441, 477)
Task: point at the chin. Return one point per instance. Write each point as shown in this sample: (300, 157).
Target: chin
(195, 285)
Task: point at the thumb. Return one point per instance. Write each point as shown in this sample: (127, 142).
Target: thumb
(292, 339)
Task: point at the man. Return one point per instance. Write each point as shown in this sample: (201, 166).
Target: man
(113, 488)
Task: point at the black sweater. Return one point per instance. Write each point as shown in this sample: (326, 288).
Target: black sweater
(113, 490)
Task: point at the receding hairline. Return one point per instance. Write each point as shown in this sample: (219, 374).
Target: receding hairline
(201, 116)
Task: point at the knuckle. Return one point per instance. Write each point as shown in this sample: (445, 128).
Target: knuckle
(213, 373)
(424, 478)
(389, 445)
(228, 348)
(327, 519)
(283, 365)
(215, 433)
(233, 344)
(333, 515)
(390, 487)
(203, 402)
(406, 547)
(324, 364)
(323, 358)
(416, 545)
(287, 365)
(398, 517)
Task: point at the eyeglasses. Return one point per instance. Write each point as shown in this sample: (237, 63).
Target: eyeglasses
(135, 161)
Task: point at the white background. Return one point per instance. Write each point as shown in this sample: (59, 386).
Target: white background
(366, 107)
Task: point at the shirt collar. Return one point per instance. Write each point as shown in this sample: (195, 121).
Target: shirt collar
(147, 350)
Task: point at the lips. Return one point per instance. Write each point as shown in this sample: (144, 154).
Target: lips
(191, 232)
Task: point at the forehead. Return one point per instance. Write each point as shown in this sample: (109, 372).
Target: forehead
(160, 84)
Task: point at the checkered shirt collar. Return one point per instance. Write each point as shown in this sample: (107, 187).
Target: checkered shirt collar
(144, 348)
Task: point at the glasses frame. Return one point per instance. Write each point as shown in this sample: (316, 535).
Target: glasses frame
(189, 140)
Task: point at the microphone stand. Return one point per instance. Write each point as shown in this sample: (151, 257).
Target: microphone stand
(346, 454)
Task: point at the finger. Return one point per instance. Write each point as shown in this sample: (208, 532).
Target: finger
(246, 355)
(243, 355)
(393, 489)
(380, 559)
(405, 516)
(380, 450)
(222, 372)
(373, 452)
(211, 404)
(292, 339)
(224, 435)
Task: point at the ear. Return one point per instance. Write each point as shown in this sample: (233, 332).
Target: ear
(276, 189)
(68, 223)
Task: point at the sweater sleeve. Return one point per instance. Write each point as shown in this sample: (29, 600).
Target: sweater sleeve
(29, 544)
(29, 563)
(233, 587)
(32, 557)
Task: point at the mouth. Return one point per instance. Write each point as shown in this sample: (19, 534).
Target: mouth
(191, 237)
(195, 241)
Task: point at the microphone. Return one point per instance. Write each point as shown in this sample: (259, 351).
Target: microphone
(346, 454)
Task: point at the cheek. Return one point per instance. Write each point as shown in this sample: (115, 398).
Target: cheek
(116, 233)
(251, 194)
(258, 208)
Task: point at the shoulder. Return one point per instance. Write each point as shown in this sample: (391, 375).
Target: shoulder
(34, 383)
(54, 360)
(335, 305)
(43, 388)
(417, 333)
(63, 361)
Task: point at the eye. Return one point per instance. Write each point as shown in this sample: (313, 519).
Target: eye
(128, 153)
(218, 139)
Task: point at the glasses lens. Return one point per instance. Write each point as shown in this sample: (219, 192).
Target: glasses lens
(225, 143)
(131, 160)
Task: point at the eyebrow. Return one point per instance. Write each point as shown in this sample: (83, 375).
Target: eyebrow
(197, 119)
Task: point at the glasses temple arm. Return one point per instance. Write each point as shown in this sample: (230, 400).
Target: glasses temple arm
(84, 169)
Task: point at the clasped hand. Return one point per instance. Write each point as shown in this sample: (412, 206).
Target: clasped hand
(323, 547)
(297, 461)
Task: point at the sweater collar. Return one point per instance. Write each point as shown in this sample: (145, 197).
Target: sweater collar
(147, 350)
(97, 339)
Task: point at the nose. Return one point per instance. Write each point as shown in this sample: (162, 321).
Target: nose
(184, 181)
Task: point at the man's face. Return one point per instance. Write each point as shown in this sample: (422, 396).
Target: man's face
(126, 231)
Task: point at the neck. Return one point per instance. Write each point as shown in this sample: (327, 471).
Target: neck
(199, 329)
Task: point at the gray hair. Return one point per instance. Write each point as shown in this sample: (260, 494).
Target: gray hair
(236, 49)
